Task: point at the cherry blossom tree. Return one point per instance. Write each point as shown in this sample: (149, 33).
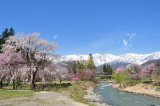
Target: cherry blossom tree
(13, 61)
(3, 75)
(86, 74)
(35, 51)
(120, 69)
(148, 70)
(134, 70)
(28, 58)
(62, 71)
(10, 61)
(157, 71)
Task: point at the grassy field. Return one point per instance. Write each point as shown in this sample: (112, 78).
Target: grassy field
(76, 90)
(6, 94)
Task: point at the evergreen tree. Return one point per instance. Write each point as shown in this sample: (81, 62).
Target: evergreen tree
(107, 69)
(104, 68)
(5, 34)
(11, 32)
(80, 65)
(90, 63)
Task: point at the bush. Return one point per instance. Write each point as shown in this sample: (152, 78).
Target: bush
(121, 78)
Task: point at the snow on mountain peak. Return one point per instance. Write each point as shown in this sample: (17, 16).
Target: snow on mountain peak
(100, 59)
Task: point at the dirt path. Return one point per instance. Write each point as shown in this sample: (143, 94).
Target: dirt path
(42, 99)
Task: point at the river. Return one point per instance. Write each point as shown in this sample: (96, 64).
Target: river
(114, 97)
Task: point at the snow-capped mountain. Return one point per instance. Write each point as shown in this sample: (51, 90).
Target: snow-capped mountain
(100, 59)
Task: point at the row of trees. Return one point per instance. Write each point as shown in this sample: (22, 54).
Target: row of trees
(136, 72)
(84, 70)
(29, 58)
(107, 69)
(82, 64)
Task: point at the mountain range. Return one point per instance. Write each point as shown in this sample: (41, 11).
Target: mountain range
(100, 59)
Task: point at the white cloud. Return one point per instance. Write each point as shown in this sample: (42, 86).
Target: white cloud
(125, 43)
(131, 35)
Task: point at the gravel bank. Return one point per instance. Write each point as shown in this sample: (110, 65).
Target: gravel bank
(93, 98)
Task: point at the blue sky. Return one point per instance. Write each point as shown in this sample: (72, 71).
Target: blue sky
(88, 26)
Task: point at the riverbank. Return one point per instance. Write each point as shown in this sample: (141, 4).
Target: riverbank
(93, 98)
(143, 89)
(78, 91)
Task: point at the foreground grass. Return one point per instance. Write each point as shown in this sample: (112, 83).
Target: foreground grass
(76, 90)
(6, 94)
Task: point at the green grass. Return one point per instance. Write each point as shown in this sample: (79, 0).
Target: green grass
(6, 94)
(76, 90)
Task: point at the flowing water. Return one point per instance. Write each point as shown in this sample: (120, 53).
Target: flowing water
(114, 97)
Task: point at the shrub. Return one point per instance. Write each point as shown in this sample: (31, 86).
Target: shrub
(121, 78)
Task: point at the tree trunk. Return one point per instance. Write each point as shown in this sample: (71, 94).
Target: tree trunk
(14, 84)
(60, 81)
(29, 75)
(33, 85)
(151, 78)
(1, 84)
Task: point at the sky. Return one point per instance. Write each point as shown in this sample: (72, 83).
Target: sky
(87, 26)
